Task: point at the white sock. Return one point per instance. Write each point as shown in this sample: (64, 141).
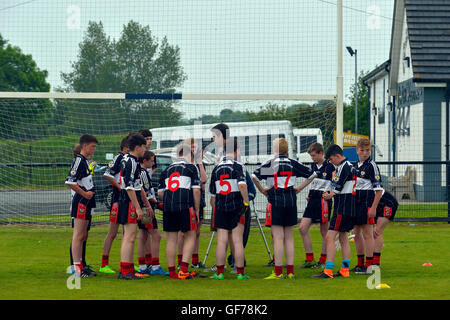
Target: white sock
(155, 267)
(142, 267)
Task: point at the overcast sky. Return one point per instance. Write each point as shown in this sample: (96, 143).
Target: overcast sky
(233, 46)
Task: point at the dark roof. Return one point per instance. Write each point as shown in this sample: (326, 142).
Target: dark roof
(428, 24)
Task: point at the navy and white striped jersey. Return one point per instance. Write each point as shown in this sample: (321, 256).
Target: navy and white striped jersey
(80, 174)
(323, 181)
(226, 177)
(130, 173)
(367, 176)
(344, 180)
(146, 179)
(342, 185)
(280, 173)
(113, 169)
(177, 182)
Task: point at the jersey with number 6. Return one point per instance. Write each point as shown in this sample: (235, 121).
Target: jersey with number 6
(226, 177)
(177, 182)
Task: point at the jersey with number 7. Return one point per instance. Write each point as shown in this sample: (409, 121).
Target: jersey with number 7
(280, 174)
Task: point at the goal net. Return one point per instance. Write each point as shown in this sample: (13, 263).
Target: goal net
(38, 137)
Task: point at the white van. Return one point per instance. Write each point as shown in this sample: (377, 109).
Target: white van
(255, 137)
(303, 139)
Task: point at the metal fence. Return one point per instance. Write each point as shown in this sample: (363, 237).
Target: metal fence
(420, 187)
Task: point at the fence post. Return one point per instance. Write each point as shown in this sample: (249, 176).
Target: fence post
(447, 170)
(30, 174)
(447, 144)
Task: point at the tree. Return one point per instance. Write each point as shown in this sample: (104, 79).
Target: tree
(363, 108)
(22, 119)
(136, 63)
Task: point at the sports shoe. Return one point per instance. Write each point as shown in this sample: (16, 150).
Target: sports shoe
(136, 268)
(324, 275)
(214, 268)
(216, 276)
(270, 264)
(106, 269)
(184, 275)
(83, 274)
(145, 271)
(129, 276)
(364, 270)
(308, 264)
(89, 271)
(241, 276)
(234, 270)
(273, 276)
(198, 265)
(344, 272)
(357, 269)
(159, 271)
(141, 275)
(197, 275)
(290, 276)
(319, 266)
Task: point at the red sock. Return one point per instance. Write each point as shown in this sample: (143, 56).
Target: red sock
(323, 258)
(368, 261)
(180, 257)
(78, 266)
(195, 258)
(376, 258)
(105, 260)
(141, 260)
(184, 267)
(125, 268)
(309, 256)
(148, 258)
(360, 260)
(155, 261)
(220, 269)
(278, 270)
(172, 271)
(240, 270)
(290, 269)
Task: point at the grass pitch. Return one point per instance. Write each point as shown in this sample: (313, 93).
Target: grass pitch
(34, 261)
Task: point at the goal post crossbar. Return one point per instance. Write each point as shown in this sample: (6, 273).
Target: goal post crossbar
(164, 96)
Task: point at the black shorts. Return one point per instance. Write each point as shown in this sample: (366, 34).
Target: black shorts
(285, 217)
(81, 208)
(153, 225)
(183, 221)
(341, 223)
(386, 212)
(363, 202)
(318, 210)
(126, 212)
(362, 215)
(227, 220)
